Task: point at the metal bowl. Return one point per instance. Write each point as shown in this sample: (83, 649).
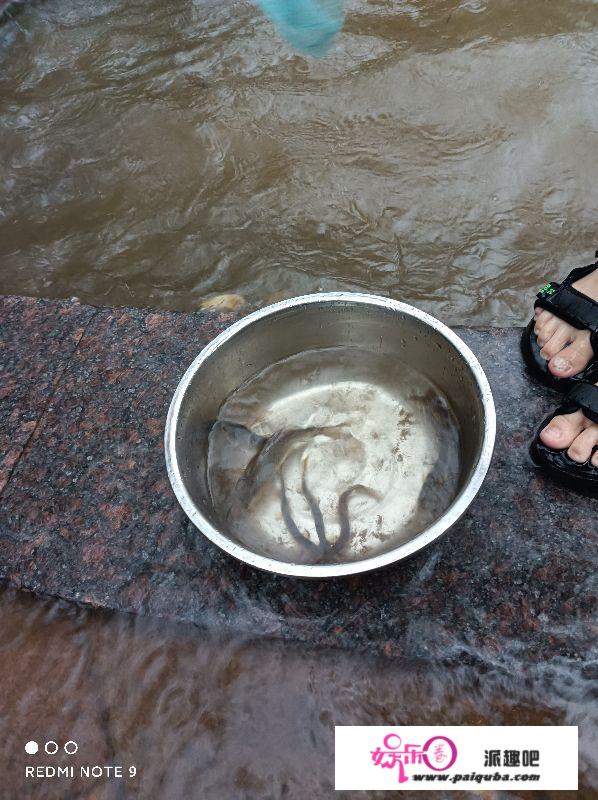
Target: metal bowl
(376, 324)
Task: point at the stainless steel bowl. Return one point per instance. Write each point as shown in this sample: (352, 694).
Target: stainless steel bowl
(315, 321)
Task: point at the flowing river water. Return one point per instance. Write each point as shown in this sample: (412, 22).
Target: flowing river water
(158, 152)
(161, 153)
(221, 719)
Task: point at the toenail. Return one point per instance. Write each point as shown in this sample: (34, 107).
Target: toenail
(561, 363)
(556, 432)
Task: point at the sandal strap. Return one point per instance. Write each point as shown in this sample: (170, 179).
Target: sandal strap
(584, 395)
(565, 302)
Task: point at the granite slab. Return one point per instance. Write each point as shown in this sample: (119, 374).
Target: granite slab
(87, 513)
(37, 339)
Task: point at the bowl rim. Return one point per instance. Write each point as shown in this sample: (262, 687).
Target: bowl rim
(455, 511)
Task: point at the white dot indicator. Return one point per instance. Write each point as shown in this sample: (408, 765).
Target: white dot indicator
(31, 748)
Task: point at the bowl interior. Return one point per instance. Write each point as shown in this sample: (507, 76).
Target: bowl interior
(285, 331)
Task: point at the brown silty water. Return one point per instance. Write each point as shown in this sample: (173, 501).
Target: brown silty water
(221, 719)
(156, 153)
(159, 153)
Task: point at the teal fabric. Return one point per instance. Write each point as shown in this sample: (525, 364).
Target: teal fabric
(309, 25)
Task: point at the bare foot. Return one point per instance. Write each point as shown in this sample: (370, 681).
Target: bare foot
(574, 433)
(567, 349)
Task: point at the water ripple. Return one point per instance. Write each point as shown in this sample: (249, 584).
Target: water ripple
(158, 152)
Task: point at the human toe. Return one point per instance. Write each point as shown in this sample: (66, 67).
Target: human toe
(582, 446)
(558, 340)
(544, 329)
(572, 359)
(561, 431)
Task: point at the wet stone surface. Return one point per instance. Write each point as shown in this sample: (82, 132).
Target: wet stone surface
(37, 339)
(87, 513)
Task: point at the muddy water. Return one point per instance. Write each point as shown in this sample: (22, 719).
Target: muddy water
(333, 455)
(161, 151)
(231, 718)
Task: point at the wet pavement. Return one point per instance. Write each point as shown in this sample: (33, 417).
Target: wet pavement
(87, 513)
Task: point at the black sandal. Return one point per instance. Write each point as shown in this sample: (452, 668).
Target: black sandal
(583, 477)
(565, 302)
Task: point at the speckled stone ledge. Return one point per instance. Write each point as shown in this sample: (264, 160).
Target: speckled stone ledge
(87, 513)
